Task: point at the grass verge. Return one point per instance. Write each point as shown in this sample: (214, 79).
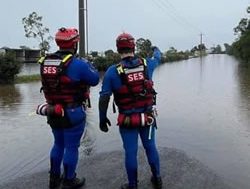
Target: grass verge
(27, 78)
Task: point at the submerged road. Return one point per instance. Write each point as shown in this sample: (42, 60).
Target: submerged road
(106, 171)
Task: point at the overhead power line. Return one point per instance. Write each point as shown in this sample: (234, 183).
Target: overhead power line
(168, 8)
(172, 12)
(178, 14)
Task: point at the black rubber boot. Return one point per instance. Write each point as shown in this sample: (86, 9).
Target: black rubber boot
(54, 181)
(157, 182)
(73, 183)
(126, 186)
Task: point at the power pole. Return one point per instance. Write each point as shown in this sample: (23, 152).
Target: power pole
(82, 28)
(87, 29)
(201, 44)
(201, 38)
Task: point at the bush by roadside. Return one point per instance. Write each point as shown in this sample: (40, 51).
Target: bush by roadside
(9, 68)
(27, 78)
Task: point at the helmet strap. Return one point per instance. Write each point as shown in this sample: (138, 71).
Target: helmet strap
(75, 48)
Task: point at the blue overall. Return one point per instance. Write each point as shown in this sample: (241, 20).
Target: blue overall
(67, 141)
(112, 82)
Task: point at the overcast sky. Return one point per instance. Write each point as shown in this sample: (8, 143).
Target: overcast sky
(166, 23)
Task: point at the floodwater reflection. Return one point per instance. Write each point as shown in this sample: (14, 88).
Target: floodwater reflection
(203, 106)
(10, 95)
(244, 88)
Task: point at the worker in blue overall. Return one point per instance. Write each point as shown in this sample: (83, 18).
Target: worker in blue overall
(65, 83)
(130, 81)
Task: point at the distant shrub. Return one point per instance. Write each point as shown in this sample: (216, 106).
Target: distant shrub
(9, 67)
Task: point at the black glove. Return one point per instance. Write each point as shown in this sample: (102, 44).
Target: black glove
(104, 125)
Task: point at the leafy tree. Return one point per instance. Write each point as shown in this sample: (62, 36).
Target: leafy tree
(100, 63)
(94, 53)
(202, 47)
(216, 50)
(241, 47)
(34, 28)
(243, 26)
(103, 62)
(228, 49)
(171, 50)
(199, 50)
(144, 47)
(195, 48)
(173, 55)
(9, 67)
(109, 52)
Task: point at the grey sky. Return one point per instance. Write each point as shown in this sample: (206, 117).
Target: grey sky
(166, 23)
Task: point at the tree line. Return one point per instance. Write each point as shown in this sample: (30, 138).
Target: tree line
(241, 47)
(143, 50)
(34, 28)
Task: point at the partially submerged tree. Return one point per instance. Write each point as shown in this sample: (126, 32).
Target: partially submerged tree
(241, 47)
(9, 67)
(228, 48)
(34, 28)
(216, 50)
(174, 55)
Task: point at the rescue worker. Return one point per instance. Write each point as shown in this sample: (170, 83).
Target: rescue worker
(130, 81)
(65, 83)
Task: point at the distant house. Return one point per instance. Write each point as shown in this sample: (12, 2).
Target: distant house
(23, 55)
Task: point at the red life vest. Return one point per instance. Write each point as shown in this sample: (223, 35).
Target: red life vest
(58, 88)
(137, 90)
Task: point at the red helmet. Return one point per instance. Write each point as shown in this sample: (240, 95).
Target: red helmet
(66, 38)
(125, 43)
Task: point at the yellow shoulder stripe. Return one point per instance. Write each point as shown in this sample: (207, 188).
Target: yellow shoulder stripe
(120, 69)
(66, 58)
(144, 61)
(41, 60)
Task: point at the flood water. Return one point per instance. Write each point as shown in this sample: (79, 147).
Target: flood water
(203, 106)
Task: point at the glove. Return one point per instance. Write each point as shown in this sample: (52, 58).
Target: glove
(156, 53)
(104, 125)
(154, 48)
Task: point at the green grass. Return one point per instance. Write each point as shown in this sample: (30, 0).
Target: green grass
(27, 78)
